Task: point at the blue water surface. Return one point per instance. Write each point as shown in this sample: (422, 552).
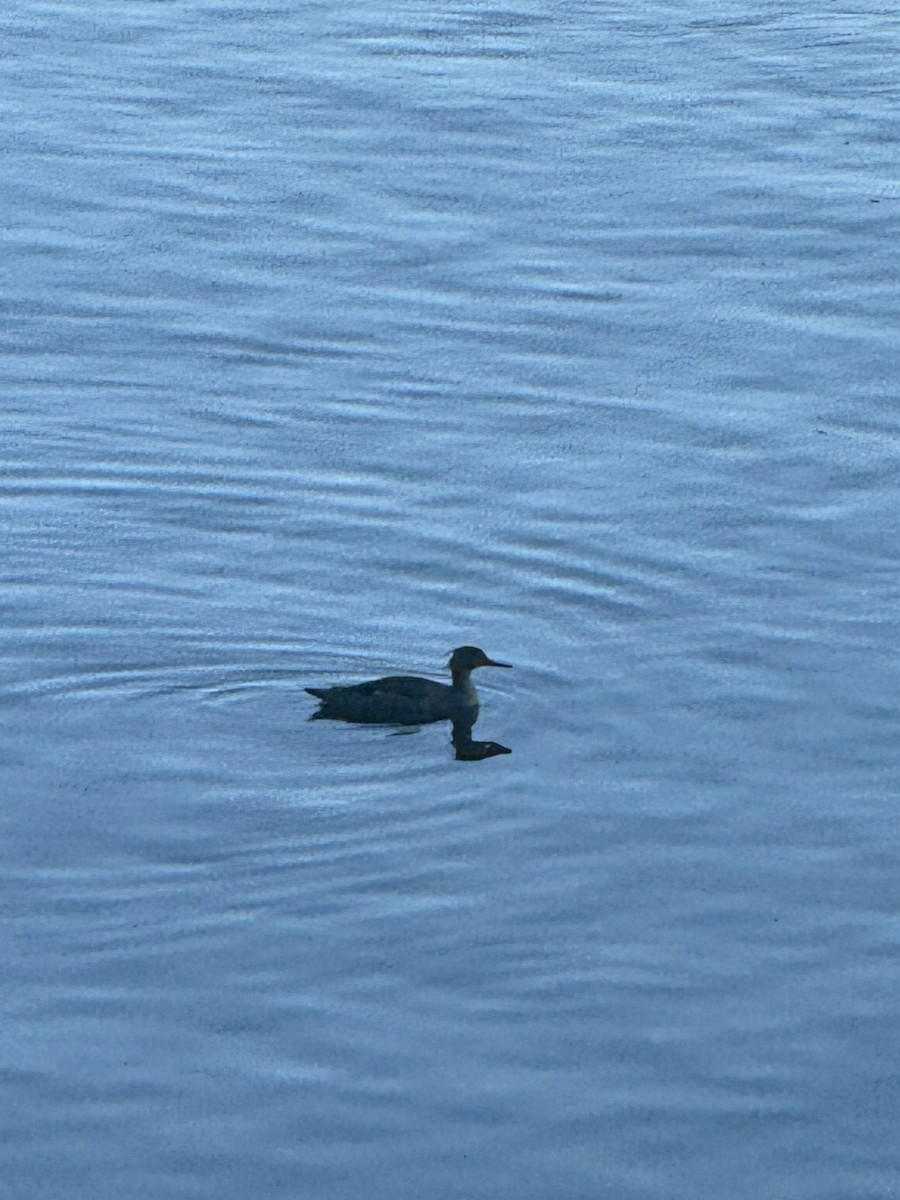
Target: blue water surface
(339, 334)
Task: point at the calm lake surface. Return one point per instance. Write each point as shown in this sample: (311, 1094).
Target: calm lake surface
(340, 334)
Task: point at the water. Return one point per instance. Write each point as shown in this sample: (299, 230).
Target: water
(339, 335)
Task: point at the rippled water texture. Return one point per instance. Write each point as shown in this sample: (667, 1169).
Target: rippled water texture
(340, 334)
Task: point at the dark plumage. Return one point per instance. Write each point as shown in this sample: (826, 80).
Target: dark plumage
(407, 699)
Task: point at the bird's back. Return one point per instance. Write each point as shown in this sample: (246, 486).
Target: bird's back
(395, 700)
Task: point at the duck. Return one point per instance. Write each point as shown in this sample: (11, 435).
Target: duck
(408, 699)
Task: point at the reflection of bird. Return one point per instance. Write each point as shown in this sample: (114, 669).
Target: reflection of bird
(476, 751)
(466, 749)
(409, 700)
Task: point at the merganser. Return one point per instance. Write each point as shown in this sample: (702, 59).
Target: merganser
(407, 699)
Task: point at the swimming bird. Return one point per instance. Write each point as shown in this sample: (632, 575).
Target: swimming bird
(407, 699)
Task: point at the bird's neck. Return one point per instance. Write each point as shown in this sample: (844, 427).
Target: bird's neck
(462, 683)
